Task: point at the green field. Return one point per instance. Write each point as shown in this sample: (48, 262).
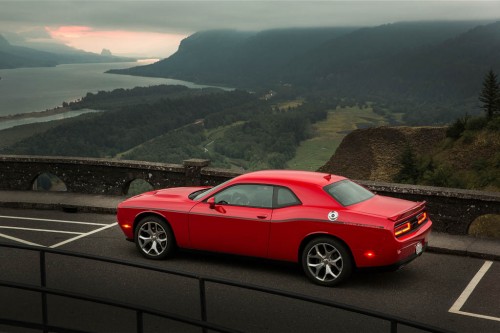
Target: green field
(328, 134)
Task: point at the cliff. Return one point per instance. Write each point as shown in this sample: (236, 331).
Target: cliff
(375, 153)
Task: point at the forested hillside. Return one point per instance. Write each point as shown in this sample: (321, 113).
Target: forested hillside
(111, 132)
(236, 58)
(172, 123)
(428, 70)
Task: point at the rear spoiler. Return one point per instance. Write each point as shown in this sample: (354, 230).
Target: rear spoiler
(409, 212)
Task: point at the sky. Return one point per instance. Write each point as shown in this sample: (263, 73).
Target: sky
(155, 28)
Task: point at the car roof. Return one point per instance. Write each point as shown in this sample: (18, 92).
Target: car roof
(290, 177)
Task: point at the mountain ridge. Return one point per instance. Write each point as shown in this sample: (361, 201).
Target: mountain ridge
(14, 56)
(417, 65)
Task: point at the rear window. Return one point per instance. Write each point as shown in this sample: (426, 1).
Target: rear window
(348, 193)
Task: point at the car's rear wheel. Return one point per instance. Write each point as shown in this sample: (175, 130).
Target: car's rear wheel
(326, 261)
(154, 238)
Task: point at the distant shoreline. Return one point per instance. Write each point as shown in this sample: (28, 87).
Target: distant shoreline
(36, 114)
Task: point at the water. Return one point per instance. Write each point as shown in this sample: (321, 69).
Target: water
(25, 90)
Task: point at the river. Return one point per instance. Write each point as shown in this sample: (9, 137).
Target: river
(24, 90)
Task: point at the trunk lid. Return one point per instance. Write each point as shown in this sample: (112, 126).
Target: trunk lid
(392, 208)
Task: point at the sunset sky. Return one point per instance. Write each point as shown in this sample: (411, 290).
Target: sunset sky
(155, 28)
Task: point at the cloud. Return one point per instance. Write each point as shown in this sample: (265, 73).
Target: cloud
(191, 16)
(174, 19)
(121, 41)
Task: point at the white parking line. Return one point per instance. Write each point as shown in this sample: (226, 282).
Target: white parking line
(83, 235)
(48, 220)
(79, 234)
(43, 230)
(459, 303)
(25, 242)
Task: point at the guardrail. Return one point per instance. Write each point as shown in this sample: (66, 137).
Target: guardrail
(202, 323)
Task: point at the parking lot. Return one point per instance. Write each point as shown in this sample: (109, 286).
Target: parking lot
(457, 293)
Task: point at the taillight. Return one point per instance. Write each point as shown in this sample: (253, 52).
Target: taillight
(402, 228)
(412, 224)
(422, 218)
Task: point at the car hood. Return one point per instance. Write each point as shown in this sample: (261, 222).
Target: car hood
(387, 207)
(170, 195)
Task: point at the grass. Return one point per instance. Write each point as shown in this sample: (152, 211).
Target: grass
(486, 226)
(290, 104)
(328, 134)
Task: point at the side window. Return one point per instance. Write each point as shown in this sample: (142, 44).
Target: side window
(246, 195)
(285, 198)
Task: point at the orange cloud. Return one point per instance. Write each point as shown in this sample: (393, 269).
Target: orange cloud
(118, 41)
(68, 31)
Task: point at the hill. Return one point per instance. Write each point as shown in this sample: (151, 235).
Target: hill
(172, 123)
(49, 54)
(421, 155)
(429, 70)
(375, 153)
(237, 58)
(17, 56)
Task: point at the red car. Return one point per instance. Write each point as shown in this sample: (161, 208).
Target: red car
(327, 223)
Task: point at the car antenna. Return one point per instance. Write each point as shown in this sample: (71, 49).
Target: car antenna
(328, 177)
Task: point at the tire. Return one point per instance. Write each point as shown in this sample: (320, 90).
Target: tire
(326, 261)
(154, 238)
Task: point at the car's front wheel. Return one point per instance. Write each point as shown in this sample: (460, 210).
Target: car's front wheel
(154, 238)
(326, 261)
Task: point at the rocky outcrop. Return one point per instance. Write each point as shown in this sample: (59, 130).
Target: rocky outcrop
(375, 153)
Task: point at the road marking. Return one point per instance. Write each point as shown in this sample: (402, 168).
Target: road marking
(49, 220)
(79, 234)
(459, 303)
(19, 240)
(42, 230)
(83, 235)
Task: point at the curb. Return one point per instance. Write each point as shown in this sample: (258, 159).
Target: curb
(463, 253)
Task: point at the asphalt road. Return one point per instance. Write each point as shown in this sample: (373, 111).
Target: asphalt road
(424, 291)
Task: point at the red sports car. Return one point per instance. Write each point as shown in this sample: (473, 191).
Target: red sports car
(327, 223)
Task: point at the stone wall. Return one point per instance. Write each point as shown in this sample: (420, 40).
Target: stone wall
(452, 210)
(104, 176)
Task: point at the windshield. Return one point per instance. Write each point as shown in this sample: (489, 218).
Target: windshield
(348, 193)
(202, 193)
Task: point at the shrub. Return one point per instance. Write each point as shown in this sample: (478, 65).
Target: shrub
(494, 124)
(468, 137)
(476, 123)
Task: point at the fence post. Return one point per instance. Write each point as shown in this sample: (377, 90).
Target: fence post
(43, 284)
(139, 318)
(203, 302)
(394, 326)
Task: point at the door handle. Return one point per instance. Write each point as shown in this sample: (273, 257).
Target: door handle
(261, 216)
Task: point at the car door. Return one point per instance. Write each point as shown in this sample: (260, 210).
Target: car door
(234, 220)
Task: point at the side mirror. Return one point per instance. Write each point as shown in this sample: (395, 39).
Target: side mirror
(211, 202)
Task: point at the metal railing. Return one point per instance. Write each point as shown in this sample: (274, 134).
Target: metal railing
(202, 323)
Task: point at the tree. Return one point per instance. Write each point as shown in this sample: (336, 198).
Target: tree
(490, 95)
(409, 172)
